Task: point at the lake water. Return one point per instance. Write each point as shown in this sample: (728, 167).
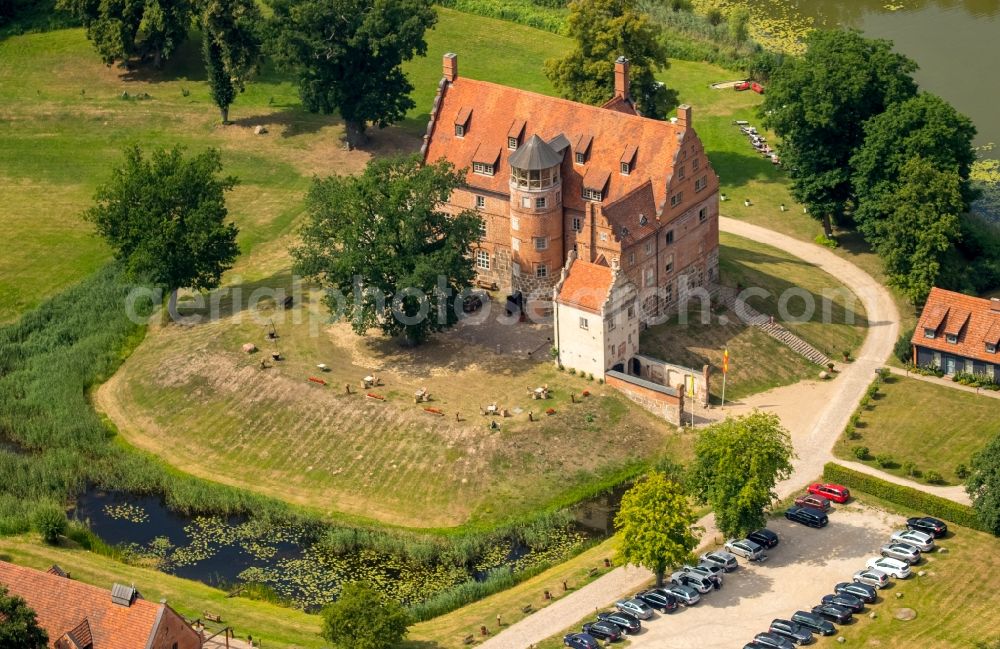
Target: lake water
(956, 43)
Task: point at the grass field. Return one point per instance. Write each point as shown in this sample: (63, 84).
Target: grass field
(956, 425)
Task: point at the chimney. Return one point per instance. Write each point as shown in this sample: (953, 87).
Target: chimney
(684, 116)
(450, 65)
(995, 304)
(621, 78)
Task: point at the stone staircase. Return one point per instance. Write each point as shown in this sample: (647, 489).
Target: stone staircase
(753, 318)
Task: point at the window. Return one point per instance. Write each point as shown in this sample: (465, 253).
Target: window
(951, 338)
(483, 259)
(459, 130)
(695, 163)
(593, 194)
(649, 248)
(480, 202)
(584, 324)
(539, 203)
(631, 259)
(626, 168)
(676, 199)
(702, 214)
(650, 277)
(534, 179)
(604, 236)
(577, 224)
(516, 267)
(970, 367)
(668, 293)
(526, 202)
(515, 224)
(482, 168)
(580, 157)
(611, 324)
(631, 311)
(512, 143)
(680, 172)
(991, 348)
(670, 264)
(541, 243)
(541, 270)
(929, 333)
(701, 183)
(482, 227)
(515, 244)
(670, 237)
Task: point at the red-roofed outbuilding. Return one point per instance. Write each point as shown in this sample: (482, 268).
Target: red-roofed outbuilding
(958, 333)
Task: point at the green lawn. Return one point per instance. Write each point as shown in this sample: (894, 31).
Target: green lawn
(933, 426)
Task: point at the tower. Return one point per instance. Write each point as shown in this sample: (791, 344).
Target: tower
(536, 217)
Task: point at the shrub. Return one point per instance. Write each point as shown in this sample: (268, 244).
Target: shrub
(855, 419)
(824, 240)
(860, 452)
(908, 497)
(903, 349)
(962, 472)
(933, 477)
(572, 371)
(865, 401)
(884, 460)
(883, 373)
(50, 521)
(910, 469)
(850, 432)
(872, 391)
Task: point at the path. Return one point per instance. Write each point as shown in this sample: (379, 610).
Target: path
(947, 383)
(952, 492)
(815, 414)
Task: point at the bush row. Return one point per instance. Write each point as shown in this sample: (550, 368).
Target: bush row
(920, 501)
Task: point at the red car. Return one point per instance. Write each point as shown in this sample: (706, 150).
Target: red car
(835, 492)
(813, 501)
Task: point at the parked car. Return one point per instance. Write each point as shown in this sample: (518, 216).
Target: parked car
(813, 501)
(685, 594)
(636, 607)
(753, 645)
(603, 630)
(851, 602)
(774, 641)
(920, 540)
(901, 551)
(707, 570)
(836, 492)
(764, 538)
(933, 526)
(791, 630)
(814, 622)
(874, 578)
(807, 516)
(834, 613)
(720, 558)
(627, 622)
(660, 601)
(892, 567)
(864, 592)
(745, 548)
(700, 583)
(581, 641)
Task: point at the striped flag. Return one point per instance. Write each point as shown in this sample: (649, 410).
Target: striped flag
(725, 361)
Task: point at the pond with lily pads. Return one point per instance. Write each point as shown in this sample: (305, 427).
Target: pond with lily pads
(295, 561)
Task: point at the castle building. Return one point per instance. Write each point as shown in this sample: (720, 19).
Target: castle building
(551, 176)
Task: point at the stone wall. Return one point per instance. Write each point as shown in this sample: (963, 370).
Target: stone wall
(662, 401)
(663, 373)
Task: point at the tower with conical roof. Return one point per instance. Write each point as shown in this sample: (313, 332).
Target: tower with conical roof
(536, 216)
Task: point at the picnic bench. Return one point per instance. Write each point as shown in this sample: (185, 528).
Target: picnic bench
(211, 617)
(421, 396)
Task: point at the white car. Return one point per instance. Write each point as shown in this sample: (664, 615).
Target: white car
(920, 540)
(745, 548)
(873, 578)
(636, 607)
(893, 567)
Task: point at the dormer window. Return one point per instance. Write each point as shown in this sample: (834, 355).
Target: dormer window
(628, 159)
(930, 333)
(580, 158)
(626, 168)
(643, 220)
(594, 183)
(484, 160)
(991, 348)
(462, 122)
(951, 338)
(624, 232)
(593, 194)
(514, 134)
(512, 143)
(582, 149)
(459, 130)
(483, 168)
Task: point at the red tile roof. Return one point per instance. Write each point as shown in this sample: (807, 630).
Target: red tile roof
(974, 320)
(586, 286)
(633, 216)
(493, 108)
(63, 605)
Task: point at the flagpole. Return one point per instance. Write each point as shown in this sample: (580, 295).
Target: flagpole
(724, 390)
(725, 371)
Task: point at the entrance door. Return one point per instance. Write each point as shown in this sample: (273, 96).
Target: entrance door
(619, 367)
(635, 369)
(949, 365)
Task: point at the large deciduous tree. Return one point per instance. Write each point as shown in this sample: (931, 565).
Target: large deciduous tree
(347, 56)
(737, 464)
(231, 48)
(817, 104)
(391, 257)
(656, 525)
(123, 30)
(923, 126)
(363, 618)
(165, 218)
(983, 485)
(920, 227)
(605, 30)
(19, 627)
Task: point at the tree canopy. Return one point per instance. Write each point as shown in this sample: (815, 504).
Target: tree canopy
(18, 625)
(605, 30)
(921, 226)
(231, 48)
(383, 246)
(817, 103)
(983, 485)
(923, 126)
(165, 218)
(127, 29)
(737, 464)
(347, 55)
(655, 522)
(362, 618)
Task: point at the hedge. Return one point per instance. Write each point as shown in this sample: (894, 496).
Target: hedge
(909, 497)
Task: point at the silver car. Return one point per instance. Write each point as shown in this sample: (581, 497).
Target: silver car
(685, 594)
(902, 551)
(721, 558)
(636, 607)
(920, 540)
(701, 583)
(709, 570)
(893, 567)
(873, 578)
(745, 548)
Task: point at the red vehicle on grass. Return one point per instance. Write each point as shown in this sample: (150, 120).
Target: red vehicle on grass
(739, 87)
(835, 492)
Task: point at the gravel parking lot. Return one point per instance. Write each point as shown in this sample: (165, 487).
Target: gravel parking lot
(798, 572)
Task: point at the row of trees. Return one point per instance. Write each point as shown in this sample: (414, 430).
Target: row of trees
(864, 147)
(346, 55)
